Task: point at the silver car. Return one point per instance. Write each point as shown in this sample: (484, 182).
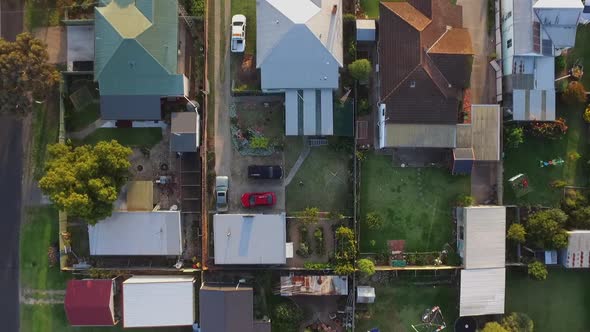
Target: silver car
(221, 189)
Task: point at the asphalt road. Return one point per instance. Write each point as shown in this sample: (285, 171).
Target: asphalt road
(10, 200)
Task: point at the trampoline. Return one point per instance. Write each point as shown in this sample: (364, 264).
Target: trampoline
(465, 324)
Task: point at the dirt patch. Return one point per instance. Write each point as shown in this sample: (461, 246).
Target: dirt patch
(57, 46)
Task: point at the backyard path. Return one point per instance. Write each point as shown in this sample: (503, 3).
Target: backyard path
(80, 135)
(221, 84)
(42, 296)
(298, 163)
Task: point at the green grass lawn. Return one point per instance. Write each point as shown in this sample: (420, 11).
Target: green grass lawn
(134, 137)
(525, 159)
(38, 232)
(414, 203)
(45, 129)
(560, 303)
(581, 52)
(293, 148)
(78, 120)
(41, 13)
(327, 182)
(396, 308)
(248, 9)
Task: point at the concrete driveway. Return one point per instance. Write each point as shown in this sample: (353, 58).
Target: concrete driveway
(240, 183)
(483, 77)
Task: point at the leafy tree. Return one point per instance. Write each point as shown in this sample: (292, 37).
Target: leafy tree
(310, 215)
(493, 327)
(580, 218)
(587, 114)
(545, 229)
(360, 69)
(518, 322)
(517, 233)
(374, 220)
(572, 201)
(287, 317)
(514, 136)
(538, 270)
(366, 267)
(259, 142)
(575, 93)
(344, 268)
(465, 200)
(24, 72)
(86, 180)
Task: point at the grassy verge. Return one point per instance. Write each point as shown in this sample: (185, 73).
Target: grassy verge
(45, 131)
(41, 13)
(565, 294)
(39, 231)
(398, 307)
(134, 137)
(323, 181)
(581, 51)
(414, 203)
(525, 159)
(248, 9)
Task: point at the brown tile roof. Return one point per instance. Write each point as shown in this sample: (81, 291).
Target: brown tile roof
(416, 86)
(454, 41)
(409, 14)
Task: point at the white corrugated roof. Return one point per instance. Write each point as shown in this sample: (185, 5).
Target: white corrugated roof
(483, 292)
(578, 249)
(316, 112)
(151, 301)
(533, 105)
(137, 233)
(298, 44)
(485, 237)
(249, 239)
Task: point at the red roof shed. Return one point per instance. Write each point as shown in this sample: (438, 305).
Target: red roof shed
(90, 302)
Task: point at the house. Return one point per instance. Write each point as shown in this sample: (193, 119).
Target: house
(577, 252)
(136, 58)
(299, 52)
(137, 233)
(155, 301)
(224, 308)
(90, 302)
(533, 33)
(481, 243)
(250, 239)
(425, 58)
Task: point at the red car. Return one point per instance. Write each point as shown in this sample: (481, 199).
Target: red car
(258, 199)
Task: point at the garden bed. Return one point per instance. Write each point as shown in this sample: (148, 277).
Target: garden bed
(257, 128)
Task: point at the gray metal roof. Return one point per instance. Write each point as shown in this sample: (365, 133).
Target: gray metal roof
(249, 238)
(129, 107)
(226, 308)
(184, 132)
(80, 43)
(309, 112)
(137, 233)
(298, 44)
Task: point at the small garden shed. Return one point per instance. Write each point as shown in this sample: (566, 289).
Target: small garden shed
(89, 302)
(577, 253)
(365, 294)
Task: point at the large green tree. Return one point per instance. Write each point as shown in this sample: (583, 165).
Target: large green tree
(84, 181)
(518, 322)
(24, 73)
(545, 229)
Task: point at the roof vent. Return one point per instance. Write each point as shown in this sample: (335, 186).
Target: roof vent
(412, 84)
(276, 21)
(131, 64)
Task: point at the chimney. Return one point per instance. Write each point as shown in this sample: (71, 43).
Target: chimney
(334, 9)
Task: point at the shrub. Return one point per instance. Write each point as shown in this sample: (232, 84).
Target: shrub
(558, 184)
(374, 220)
(493, 327)
(465, 200)
(343, 269)
(364, 107)
(348, 17)
(518, 322)
(575, 93)
(366, 267)
(304, 250)
(352, 49)
(259, 142)
(516, 233)
(560, 63)
(573, 156)
(310, 215)
(545, 229)
(572, 201)
(553, 129)
(514, 136)
(317, 266)
(287, 317)
(319, 241)
(360, 69)
(580, 218)
(537, 270)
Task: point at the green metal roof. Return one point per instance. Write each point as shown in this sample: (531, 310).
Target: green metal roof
(136, 48)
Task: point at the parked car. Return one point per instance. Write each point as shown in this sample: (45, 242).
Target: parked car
(221, 189)
(238, 33)
(258, 199)
(265, 172)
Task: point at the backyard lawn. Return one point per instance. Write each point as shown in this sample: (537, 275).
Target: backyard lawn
(581, 51)
(560, 303)
(134, 137)
(248, 9)
(323, 181)
(525, 159)
(44, 131)
(396, 308)
(415, 204)
(78, 120)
